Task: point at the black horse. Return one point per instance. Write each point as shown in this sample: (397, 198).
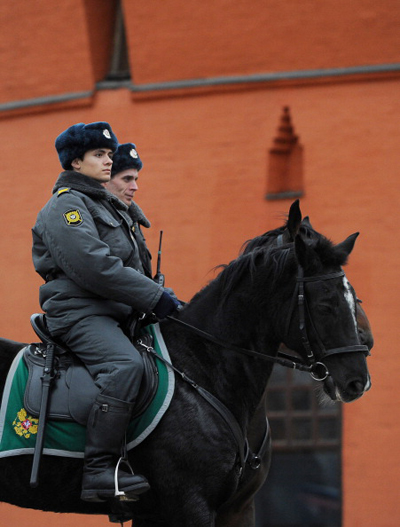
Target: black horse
(293, 292)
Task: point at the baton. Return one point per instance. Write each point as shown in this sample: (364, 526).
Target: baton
(47, 379)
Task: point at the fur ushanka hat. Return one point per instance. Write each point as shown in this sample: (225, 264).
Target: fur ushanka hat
(79, 138)
(126, 157)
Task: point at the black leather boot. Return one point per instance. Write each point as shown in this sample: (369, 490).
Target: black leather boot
(105, 435)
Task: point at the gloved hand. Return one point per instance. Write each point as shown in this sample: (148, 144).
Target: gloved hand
(170, 291)
(166, 305)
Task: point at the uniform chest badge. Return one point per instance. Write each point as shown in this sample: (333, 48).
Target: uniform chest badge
(73, 217)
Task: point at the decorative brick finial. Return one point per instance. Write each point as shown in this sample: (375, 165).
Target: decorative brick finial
(285, 172)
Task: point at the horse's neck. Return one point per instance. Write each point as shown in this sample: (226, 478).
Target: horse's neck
(229, 322)
(236, 379)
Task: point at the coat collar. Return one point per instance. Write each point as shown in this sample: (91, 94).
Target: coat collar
(94, 189)
(136, 213)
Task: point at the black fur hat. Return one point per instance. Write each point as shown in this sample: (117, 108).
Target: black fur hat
(79, 138)
(126, 157)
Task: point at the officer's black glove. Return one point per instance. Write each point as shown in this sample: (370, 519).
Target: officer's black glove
(170, 291)
(166, 305)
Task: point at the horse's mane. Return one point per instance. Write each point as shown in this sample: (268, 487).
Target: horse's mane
(262, 240)
(273, 258)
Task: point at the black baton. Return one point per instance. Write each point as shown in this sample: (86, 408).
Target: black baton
(47, 379)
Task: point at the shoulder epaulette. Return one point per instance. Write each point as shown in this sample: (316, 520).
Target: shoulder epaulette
(62, 190)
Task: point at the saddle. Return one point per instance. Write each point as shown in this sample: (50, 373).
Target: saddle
(73, 390)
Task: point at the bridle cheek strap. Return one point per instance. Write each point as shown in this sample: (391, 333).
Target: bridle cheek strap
(299, 296)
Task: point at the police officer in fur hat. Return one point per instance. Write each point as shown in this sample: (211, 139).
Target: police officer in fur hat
(94, 281)
(124, 185)
(125, 174)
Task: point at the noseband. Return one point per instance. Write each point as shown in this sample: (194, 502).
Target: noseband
(319, 371)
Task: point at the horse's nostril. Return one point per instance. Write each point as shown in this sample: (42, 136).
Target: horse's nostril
(355, 387)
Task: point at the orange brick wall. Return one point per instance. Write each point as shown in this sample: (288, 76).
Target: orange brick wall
(181, 40)
(43, 51)
(205, 165)
(50, 51)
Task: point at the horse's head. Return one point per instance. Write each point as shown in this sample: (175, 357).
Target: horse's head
(285, 235)
(321, 323)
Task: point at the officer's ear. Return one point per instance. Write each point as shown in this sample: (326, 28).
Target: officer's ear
(76, 163)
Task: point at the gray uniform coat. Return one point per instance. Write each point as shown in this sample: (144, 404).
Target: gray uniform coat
(83, 247)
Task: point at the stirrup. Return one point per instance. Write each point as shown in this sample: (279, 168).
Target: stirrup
(120, 494)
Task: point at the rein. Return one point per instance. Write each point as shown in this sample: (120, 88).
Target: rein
(316, 369)
(284, 360)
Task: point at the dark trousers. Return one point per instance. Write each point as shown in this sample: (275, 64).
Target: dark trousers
(114, 363)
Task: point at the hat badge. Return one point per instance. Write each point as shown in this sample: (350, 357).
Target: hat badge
(133, 153)
(106, 133)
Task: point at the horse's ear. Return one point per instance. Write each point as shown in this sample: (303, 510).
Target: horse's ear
(344, 249)
(304, 253)
(294, 219)
(307, 222)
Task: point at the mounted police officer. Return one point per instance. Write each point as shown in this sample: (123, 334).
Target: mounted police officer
(123, 184)
(124, 177)
(96, 277)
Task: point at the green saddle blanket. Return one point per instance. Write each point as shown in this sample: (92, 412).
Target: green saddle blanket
(18, 429)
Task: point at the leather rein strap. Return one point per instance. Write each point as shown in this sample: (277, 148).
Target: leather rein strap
(317, 369)
(288, 361)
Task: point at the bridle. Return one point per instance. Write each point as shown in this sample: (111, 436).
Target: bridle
(316, 368)
(320, 371)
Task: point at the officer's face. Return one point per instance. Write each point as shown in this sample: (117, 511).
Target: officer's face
(124, 185)
(96, 164)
